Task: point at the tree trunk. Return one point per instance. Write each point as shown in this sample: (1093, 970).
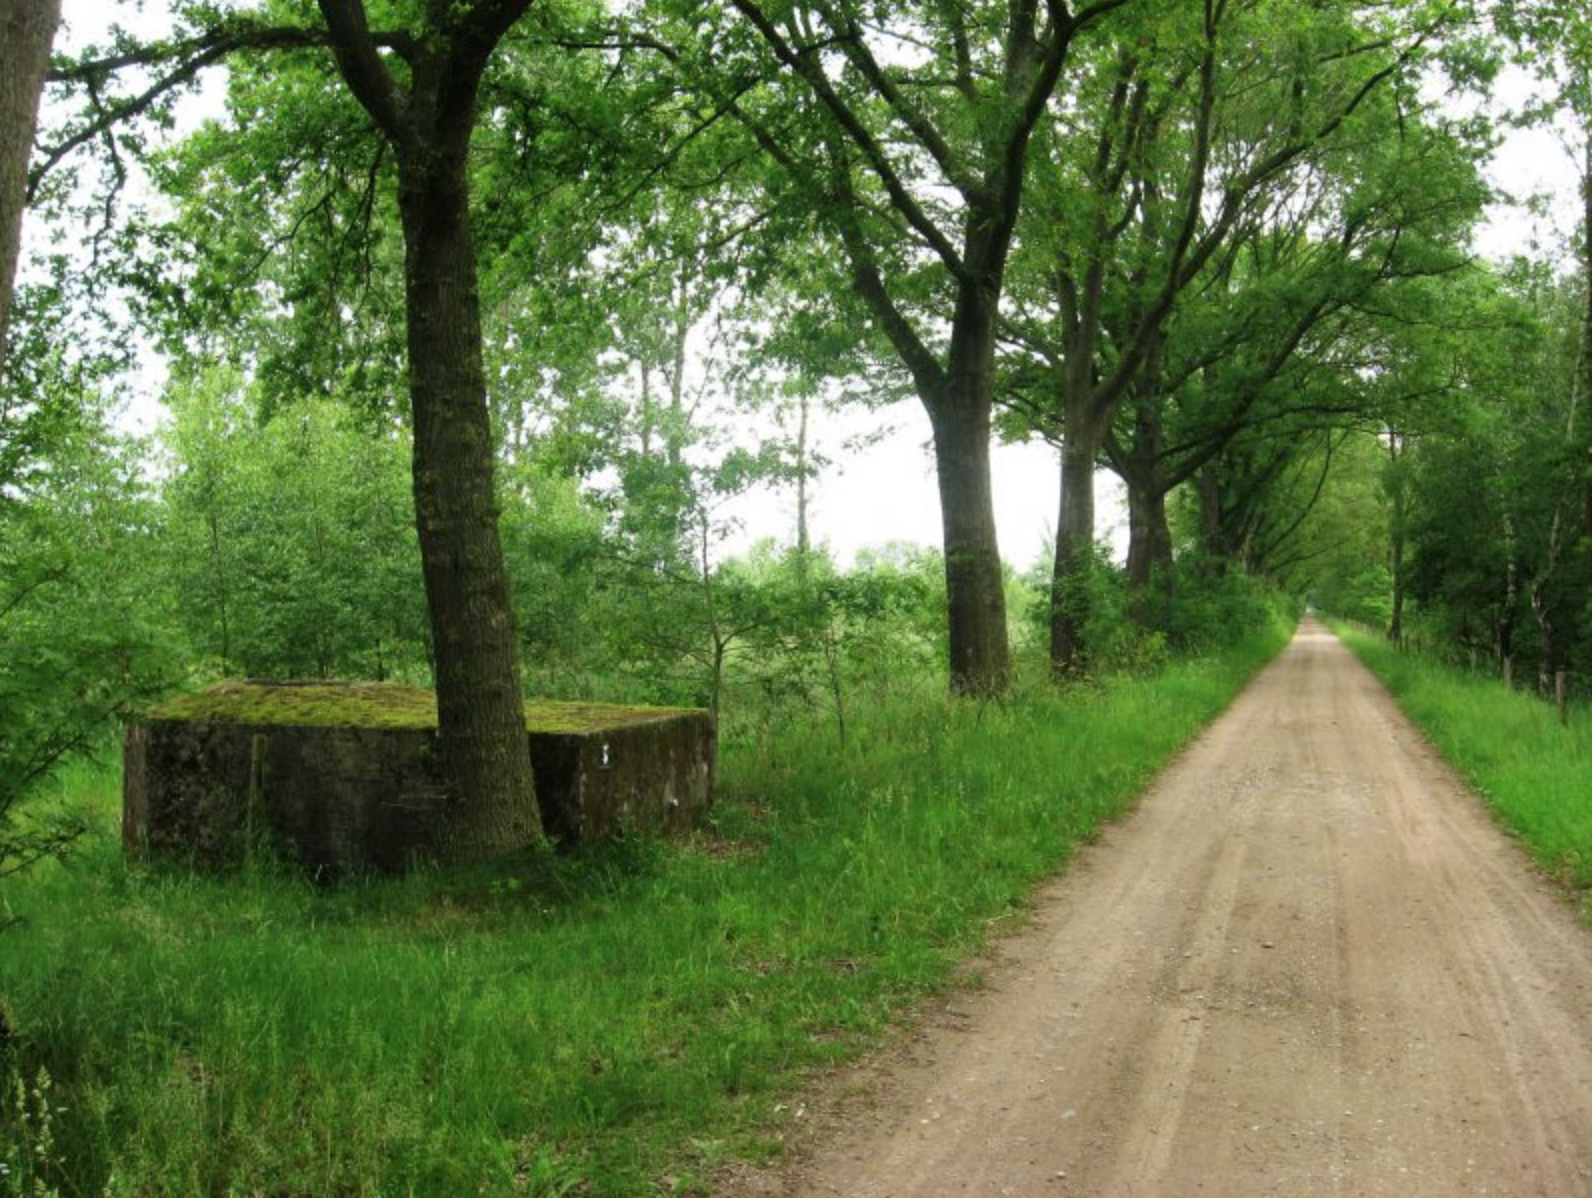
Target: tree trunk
(1504, 625)
(648, 417)
(480, 706)
(975, 584)
(1586, 325)
(1208, 490)
(1395, 624)
(1542, 609)
(1397, 489)
(1542, 586)
(429, 119)
(1149, 538)
(27, 29)
(221, 586)
(679, 338)
(1149, 533)
(1075, 530)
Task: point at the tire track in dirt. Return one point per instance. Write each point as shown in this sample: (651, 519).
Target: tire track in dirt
(1307, 964)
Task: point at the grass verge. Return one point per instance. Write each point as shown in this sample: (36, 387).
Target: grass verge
(616, 1022)
(1531, 771)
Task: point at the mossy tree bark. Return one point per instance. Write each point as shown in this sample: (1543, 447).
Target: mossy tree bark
(1142, 467)
(428, 124)
(27, 28)
(1075, 529)
(974, 583)
(1149, 535)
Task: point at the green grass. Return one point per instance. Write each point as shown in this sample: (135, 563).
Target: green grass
(1535, 774)
(617, 1022)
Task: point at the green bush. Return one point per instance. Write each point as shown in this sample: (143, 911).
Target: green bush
(1206, 607)
(1203, 607)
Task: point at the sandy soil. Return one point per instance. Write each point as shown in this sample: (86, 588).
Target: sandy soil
(1308, 964)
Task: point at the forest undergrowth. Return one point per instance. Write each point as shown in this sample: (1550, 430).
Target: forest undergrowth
(621, 1020)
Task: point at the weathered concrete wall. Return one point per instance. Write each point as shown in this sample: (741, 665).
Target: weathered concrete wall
(657, 775)
(338, 799)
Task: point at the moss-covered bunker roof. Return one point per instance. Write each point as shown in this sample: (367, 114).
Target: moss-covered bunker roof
(380, 705)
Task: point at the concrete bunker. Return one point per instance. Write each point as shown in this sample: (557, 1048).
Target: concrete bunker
(344, 776)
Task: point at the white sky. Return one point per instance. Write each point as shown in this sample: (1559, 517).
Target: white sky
(885, 492)
(1536, 162)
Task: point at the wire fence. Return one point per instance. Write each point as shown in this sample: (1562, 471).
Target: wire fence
(1567, 689)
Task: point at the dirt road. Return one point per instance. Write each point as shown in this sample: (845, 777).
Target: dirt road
(1307, 965)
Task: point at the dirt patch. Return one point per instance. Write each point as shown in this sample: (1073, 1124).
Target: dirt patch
(1308, 964)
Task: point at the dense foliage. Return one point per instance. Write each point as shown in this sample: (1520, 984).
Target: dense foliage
(1475, 507)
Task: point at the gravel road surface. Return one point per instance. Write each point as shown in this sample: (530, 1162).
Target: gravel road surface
(1307, 964)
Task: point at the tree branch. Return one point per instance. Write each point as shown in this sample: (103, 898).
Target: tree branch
(927, 373)
(187, 58)
(802, 63)
(349, 36)
(923, 129)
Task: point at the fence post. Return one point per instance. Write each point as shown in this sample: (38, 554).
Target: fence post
(1558, 698)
